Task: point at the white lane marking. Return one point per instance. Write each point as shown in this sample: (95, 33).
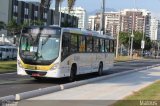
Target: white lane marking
(15, 81)
(8, 73)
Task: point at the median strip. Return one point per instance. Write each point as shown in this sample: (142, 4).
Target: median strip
(43, 91)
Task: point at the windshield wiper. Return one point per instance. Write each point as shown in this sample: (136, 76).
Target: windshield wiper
(45, 41)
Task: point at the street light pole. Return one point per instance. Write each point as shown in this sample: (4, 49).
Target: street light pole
(132, 35)
(102, 18)
(131, 52)
(60, 14)
(117, 46)
(143, 42)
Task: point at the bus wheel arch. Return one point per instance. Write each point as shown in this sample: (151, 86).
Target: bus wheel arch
(100, 68)
(73, 72)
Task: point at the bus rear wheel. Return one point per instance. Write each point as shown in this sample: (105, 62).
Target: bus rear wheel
(73, 73)
(100, 69)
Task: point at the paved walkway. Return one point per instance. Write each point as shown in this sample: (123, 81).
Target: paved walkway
(115, 88)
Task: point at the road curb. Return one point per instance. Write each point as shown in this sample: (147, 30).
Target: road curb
(7, 98)
(43, 91)
(39, 92)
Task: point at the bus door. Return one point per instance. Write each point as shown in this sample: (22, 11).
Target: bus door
(65, 52)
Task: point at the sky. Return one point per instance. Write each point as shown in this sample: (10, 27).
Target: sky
(90, 5)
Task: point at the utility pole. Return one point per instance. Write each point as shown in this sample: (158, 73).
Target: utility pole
(60, 14)
(132, 35)
(143, 41)
(117, 46)
(102, 17)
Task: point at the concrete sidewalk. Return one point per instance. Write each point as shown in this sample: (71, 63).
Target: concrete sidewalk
(115, 88)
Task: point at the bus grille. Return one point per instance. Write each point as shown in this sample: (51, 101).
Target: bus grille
(32, 73)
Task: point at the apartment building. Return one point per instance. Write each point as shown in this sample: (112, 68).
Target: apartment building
(155, 29)
(79, 12)
(125, 20)
(111, 23)
(23, 11)
(136, 19)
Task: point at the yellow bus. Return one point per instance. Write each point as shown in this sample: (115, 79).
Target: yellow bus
(55, 52)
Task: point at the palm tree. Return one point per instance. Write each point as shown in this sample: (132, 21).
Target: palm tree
(57, 2)
(2, 25)
(46, 4)
(70, 5)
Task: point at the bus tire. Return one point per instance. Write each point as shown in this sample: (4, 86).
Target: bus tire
(100, 69)
(73, 73)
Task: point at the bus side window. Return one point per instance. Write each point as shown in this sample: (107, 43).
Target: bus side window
(89, 43)
(111, 46)
(107, 46)
(74, 44)
(65, 45)
(81, 44)
(6, 50)
(96, 44)
(101, 45)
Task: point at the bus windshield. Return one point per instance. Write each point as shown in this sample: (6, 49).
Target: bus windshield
(40, 46)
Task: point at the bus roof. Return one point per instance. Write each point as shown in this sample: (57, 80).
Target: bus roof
(85, 32)
(8, 46)
(76, 31)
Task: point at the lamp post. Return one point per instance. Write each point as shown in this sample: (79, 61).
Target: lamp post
(102, 17)
(131, 52)
(117, 45)
(3, 38)
(143, 42)
(132, 35)
(60, 14)
(157, 48)
(15, 39)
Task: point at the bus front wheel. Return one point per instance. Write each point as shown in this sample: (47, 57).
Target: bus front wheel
(73, 73)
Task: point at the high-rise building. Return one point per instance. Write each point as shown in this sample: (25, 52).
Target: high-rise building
(155, 29)
(111, 23)
(91, 22)
(136, 20)
(80, 13)
(94, 22)
(125, 20)
(158, 32)
(112, 20)
(22, 11)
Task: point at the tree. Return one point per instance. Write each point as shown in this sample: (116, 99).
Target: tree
(148, 44)
(124, 39)
(2, 25)
(24, 24)
(47, 3)
(38, 22)
(70, 5)
(57, 2)
(13, 27)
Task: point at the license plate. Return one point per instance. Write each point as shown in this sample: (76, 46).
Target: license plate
(36, 75)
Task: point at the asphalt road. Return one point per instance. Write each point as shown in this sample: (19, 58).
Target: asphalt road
(11, 84)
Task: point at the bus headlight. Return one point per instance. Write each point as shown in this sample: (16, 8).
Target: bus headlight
(55, 66)
(19, 64)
